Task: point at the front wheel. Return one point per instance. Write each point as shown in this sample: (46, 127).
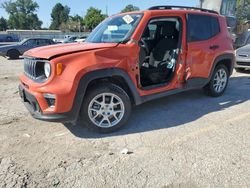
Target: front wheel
(13, 54)
(219, 81)
(106, 108)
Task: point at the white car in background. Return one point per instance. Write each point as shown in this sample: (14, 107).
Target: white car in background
(81, 39)
(242, 58)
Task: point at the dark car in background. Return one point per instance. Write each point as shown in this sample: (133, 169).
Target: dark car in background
(15, 50)
(9, 38)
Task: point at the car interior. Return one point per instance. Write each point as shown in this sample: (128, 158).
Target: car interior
(159, 51)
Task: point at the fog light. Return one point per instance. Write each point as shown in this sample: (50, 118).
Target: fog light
(50, 98)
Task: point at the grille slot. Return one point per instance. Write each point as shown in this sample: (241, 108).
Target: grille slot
(243, 55)
(29, 68)
(244, 63)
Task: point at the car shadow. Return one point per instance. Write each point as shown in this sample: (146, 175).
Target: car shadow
(175, 110)
(9, 59)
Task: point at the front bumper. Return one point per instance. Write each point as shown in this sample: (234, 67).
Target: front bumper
(242, 63)
(33, 107)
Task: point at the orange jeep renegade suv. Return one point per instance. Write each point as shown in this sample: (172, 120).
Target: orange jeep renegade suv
(127, 60)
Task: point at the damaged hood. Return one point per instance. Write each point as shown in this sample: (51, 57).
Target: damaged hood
(48, 52)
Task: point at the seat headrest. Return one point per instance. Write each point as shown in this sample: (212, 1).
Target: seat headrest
(168, 29)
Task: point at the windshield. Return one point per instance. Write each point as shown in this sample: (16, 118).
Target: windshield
(23, 41)
(115, 29)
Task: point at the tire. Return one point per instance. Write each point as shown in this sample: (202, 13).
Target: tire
(240, 70)
(13, 54)
(105, 117)
(213, 88)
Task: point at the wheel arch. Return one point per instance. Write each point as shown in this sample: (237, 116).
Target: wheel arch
(113, 75)
(12, 49)
(226, 59)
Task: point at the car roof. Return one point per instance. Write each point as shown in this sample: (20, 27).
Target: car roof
(174, 11)
(38, 38)
(181, 11)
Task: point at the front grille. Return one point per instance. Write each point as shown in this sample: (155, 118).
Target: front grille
(30, 68)
(34, 69)
(243, 55)
(243, 63)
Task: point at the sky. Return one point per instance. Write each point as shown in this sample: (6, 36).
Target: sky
(112, 6)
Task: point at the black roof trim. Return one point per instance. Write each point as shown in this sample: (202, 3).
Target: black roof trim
(170, 7)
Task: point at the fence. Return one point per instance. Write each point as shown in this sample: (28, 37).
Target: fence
(50, 34)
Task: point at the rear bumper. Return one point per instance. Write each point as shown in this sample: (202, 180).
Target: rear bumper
(33, 107)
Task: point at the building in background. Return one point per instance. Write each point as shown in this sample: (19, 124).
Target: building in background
(224, 7)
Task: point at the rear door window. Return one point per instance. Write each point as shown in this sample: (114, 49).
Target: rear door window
(202, 27)
(42, 42)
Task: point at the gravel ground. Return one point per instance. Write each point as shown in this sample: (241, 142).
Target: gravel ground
(186, 140)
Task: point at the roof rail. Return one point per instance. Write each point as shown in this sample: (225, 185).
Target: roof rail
(170, 7)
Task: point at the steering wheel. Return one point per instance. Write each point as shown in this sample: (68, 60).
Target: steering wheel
(144, 45)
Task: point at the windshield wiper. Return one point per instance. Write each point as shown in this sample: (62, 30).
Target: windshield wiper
(122, 42)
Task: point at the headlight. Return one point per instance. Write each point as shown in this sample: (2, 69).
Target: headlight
(47, 69)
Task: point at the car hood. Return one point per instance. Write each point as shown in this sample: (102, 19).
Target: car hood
(49, 52)
(244, 50)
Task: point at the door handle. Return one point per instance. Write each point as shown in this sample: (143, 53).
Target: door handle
(214, 47)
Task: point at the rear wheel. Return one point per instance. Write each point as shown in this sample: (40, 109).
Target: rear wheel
(13, 54)
(239, 70)
(219, 81)
(106, 108)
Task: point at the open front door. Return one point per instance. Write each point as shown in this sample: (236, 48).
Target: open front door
(163, 63)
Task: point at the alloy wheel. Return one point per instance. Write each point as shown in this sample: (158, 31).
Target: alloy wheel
(106, 110)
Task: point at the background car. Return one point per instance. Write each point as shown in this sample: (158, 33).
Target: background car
(81, 39)
(15, 50)
(243, 39)
(242, 58)
(69, 39)
(9, 38)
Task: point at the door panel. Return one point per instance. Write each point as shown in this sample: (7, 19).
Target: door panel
(203, 43)
(199, 59)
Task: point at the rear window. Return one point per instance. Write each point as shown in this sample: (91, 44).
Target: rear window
(202, 27)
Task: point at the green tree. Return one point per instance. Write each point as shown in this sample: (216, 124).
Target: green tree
(242, 14)
(93, 18)
(74, 24)
(3, 24)
(130, 8)
(243, 10)
(22, 14)
(76, 18)
(59, 15)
